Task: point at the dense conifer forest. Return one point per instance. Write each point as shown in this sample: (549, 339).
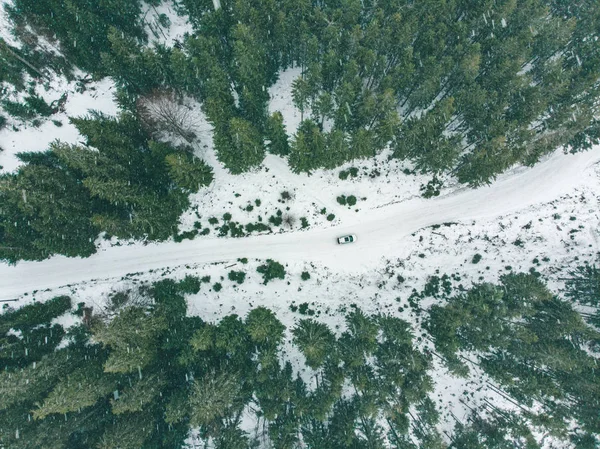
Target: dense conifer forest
(460, 88)
(141, 372)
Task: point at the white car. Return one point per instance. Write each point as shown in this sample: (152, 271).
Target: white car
(346, 239)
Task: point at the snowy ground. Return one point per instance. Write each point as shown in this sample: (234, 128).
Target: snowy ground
(19, 137)
(382, 232)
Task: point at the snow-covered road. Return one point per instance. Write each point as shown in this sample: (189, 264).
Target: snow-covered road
(380, 232)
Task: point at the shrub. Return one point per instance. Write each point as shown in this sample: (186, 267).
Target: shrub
(342, 200)
(305, 275)
(353, 172)
(164, 20)
(224, 230)
(226, 216)
(257, 202)
(304, 309)
(275, 220)
(190, 284)
(205, 231)
(217, 287)
(351, 200)
(271, 270)
(243, 260)
(344, 175)
(285, 195)
(237, 230)
(2, 122)
(258, 227)
(237, 276)
(476, 258)
(213, 220)
(304, 222)
(205, 279)
(432, 188)
(189, 235)
(330, 217)
(249, 208)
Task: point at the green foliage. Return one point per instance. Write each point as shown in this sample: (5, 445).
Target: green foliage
(271, 270)
(315, 340)
(35, 314)
(212, 397)
(188, 172)
(519, 330)
(263, 327)
(132, 337)
(80, 28)
(237, 276)
(275, 132)
(121, 184)
(217, 287)
(476, 258)
(239, 146)
(136, 397)
(305, 276)
(190, 284)
(81, 388)
(203, 376)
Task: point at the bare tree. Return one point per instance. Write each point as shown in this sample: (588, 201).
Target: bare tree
(289, 221)
(165, 111)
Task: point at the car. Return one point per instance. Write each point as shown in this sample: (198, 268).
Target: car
(346, 239)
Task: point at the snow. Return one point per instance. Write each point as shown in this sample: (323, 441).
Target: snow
(282, 101)
(16, 137)
(6, 25)
(381, 232)
(178, 28)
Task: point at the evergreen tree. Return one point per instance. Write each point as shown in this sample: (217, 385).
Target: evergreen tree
(188, 172)
(239, 146)
(315, 340)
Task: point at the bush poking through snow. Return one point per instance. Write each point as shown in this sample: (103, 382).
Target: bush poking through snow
(271, 270)
(476, 258)
(217, 286)
(190, 284)
(237, 276)
(305, 275)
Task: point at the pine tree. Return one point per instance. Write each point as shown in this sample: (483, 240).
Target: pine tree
(278, 139)
(239, 146)
(315, 340)
(188, 172)
(132, 336)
